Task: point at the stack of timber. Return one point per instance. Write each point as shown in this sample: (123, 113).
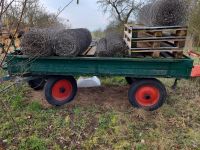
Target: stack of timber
(155, 40)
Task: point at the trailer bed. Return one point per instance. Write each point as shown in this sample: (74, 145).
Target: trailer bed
(128, 67)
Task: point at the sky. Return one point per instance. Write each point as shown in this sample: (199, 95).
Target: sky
(87, 14)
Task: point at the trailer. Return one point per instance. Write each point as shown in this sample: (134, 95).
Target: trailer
(57, 75)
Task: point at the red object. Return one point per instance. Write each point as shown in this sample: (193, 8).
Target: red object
(193, 53)
(147, 96)
(62, 90)
(196, 71)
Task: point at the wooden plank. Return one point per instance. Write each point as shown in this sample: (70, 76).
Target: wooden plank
(160, 39)
(85, 52)
(180, 44)
(144, 45)
(156, 45)
(164, 28)
(92, 51)
(156, 49)
(128, 35)
(151, 51)
(160, 48)
(128, 43)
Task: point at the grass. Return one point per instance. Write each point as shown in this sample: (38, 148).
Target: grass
(197, 49)
(174, 126)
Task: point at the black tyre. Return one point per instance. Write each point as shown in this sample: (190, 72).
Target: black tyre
(60, 90)
(130, 80)
(37, 84)
(149, 94)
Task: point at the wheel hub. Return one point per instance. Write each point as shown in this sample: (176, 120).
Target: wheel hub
(62, 90)
(147, 96)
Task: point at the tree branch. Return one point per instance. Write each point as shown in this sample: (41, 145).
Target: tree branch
(114, 5)
(7, 7)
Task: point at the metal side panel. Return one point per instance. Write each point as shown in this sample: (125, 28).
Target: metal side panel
(135, 67)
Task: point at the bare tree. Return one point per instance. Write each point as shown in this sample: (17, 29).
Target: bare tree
(4, 5)
(194, 22)
(121, 10)
(35, 15)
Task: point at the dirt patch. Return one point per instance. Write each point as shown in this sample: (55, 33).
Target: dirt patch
(106, 96)
(2, 145)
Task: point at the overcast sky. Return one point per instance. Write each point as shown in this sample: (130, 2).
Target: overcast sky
(87, 14)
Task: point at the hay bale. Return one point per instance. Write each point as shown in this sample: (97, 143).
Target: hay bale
(71, 42)
(85, 39)
(55, 41)
(36, 42)
(115, 44)
(168, 12)
(101, 49)
(164, 13)
(111, 46)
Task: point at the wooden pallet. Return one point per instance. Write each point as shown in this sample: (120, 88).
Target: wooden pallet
(155, 39)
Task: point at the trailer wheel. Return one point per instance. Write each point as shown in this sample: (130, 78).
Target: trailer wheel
(37, 84)
(149, 94)
(60, 90)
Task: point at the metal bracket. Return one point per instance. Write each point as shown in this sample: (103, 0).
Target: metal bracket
(174, 86)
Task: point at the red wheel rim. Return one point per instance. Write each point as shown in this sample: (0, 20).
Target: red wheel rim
(147, 96)
(62, 90)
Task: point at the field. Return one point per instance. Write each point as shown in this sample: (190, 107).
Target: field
(100, 118)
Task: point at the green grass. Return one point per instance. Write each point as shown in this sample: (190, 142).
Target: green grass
(197, 49)
(113, 81)
(174, 126)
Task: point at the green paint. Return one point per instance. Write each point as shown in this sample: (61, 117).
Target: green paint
(134, 67)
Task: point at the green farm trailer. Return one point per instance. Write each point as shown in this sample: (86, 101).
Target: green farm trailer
(57, 75)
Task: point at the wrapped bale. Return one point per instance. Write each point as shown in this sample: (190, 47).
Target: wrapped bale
(111, 46)
(71, 42)
(36, 42)
(168, 12)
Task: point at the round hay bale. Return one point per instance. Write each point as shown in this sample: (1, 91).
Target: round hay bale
(168, 12)
(36, 42)
(101, 49)
(71, 42)
(115, 44)
(85, 39)
(111, 46)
